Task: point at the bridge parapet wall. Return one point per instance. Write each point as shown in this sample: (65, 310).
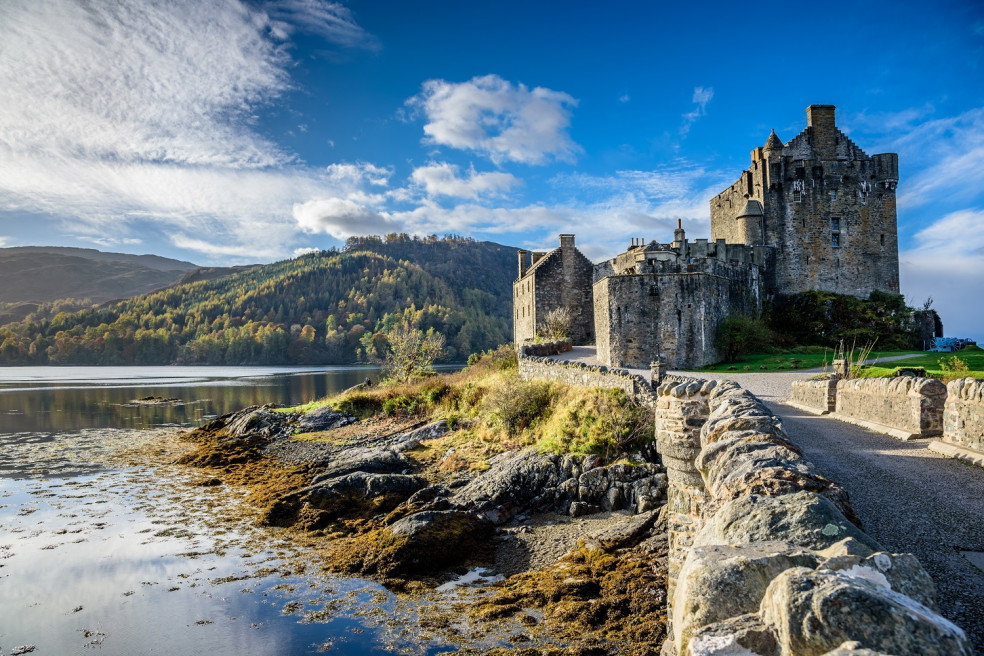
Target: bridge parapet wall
(772, 543)
(905, 407)
(817, 396)
(963, 421)
(579, 374)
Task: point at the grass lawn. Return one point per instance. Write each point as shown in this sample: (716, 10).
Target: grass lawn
(801, 358)
(972, 356)
(817, 357)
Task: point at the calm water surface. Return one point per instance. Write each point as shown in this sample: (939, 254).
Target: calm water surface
(100, 552)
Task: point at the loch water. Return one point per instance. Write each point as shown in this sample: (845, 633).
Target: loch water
(99, 553)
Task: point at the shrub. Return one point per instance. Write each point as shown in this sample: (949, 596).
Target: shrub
(556, 325)
(952, 368)
(909, 371)
(514, 404)
(603, 422)
(740, 335)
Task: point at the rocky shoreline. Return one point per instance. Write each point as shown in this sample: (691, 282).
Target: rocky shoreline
(577, 545)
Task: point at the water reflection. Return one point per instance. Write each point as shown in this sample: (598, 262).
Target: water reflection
(46, 399)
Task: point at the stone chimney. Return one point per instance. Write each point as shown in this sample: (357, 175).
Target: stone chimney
(821, 119)
(524, 262)
(566, 242)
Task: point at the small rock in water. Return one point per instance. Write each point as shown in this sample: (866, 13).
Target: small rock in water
(23, 649)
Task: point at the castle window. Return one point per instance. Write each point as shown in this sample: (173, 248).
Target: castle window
(833, 196)
(799, 163)
(797, 196)
(835, 227)
(883, 243)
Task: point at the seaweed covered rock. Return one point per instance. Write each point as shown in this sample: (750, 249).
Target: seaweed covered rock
(235, 438)
(420, 544)
(358, 493)
(526, 480)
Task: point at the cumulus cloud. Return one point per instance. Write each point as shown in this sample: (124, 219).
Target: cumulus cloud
(145, 114)
(701, 97)
(499, 119)
(443, 179)
(341, 218)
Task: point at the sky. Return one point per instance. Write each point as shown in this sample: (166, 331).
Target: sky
(231, 131)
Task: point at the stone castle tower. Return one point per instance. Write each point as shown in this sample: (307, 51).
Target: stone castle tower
(826, 207)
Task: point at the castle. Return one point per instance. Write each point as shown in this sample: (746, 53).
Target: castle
(816, 213)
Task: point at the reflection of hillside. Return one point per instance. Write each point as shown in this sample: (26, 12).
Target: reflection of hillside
(74, 407)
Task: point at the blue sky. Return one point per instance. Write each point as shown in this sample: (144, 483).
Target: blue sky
(233, 132)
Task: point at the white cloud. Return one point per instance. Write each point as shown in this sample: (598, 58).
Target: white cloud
(4, 241)
(341, 218)
(624, 98)
(442, 179)
(946, 264)
(330, 20)
(701, 97)
(503, 121)
(121, 115)
(359, 174)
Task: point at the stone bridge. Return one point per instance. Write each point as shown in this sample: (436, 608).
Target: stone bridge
(766, 554)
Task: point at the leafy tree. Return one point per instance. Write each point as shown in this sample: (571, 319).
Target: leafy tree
(412, 352)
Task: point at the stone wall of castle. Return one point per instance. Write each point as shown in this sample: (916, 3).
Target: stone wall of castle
(905, 407)
(560, 278)
(670, 315)
(828, 207)
(578, 374)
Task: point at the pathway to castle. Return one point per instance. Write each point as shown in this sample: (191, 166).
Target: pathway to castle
(909, 498)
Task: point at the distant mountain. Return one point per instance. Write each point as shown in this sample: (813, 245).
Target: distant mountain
(75, 278)
(323, 307)
(41, 274)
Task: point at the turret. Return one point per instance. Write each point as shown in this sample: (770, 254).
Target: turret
(524, 261)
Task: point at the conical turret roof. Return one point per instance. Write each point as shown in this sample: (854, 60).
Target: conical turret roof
(774, 143)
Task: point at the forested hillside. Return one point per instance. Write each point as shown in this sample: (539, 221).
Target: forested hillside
(325, 307)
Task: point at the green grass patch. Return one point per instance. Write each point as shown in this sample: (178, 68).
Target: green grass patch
(808, 357)
(937, 365)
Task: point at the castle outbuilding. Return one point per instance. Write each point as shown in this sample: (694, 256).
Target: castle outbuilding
(551, 280)
(816, 213)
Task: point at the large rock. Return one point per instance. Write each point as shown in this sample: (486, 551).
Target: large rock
(380, 460)
(347, 495)
(254, 421)
(431, 540)
(804, 519)
(323, 419)
(745, 635)
(527, 480)
(815, 612)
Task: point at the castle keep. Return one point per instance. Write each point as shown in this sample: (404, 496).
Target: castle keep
(816, 213)
(826, 207)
